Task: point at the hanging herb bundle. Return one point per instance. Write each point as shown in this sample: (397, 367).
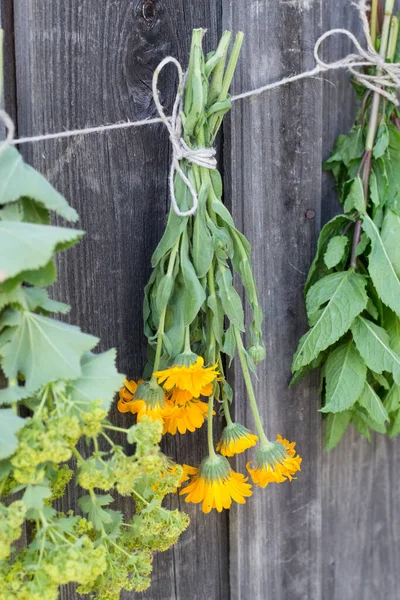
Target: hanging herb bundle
(194, 318)
(67, 391)
(353, 287)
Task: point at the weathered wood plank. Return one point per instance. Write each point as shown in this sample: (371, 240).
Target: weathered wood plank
(272, 156)
(361, 527)
(82, 64)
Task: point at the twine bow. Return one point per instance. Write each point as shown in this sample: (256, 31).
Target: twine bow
(203, 157)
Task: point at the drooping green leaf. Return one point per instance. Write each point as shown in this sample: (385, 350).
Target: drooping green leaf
(193, 290)
(381, 269)
(360, 424)
(362, 244)
(345, 374)
(51, 350)
(394, 427)
(334, 227)
(17, 179)
(202, 246)
(370, 400)
(335, 250)
(390, 234)
(10, 424)
(214, 303)
(373, 189)
(230, 299)
(391, 324)
(27, 246)
(355, 198)
(335, 428)
(344, 301)
(174, 229)
(373, 344)
(99, 379)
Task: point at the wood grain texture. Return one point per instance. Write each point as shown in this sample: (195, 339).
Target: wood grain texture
(88, 63)
(272, 158)
(361, 525)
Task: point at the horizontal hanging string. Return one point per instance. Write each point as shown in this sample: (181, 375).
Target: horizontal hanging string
(384, 83)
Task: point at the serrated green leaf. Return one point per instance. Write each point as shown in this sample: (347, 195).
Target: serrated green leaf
(34, 212)
(355, 198)
(334, 227)
(335, 250)
(392, 325)
(27, 246)
(12, 394)
(17, 179)
(362, 244)
(230, 299)
(361, 426)
(99, 379)
(38, 298)
(379, 379)
(392, 399)
(373, 188)
(380, 268)
(394, 427)
(345, 374)
(370, 400)
(335, 428)
(345, 300)
(373, 344)
(45, 350)
(382, 141)
(92, 506)
(390, 234)
(35, 495)
(40, 278)
(10, 424)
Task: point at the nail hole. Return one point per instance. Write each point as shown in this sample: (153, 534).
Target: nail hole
(310, 214)
(149, 11)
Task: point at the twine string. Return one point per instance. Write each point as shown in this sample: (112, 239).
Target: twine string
(385, 82)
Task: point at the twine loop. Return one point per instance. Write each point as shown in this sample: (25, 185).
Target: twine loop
(9, 124)
(203, 157)
(387, 74)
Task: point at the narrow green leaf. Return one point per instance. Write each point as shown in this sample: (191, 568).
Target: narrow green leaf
(45, 350)
(17, 179)
(372, 343)
(390, 234)
(355, 198)
(345, 374)
(230, 299)
(193, 290)
(392, 325)
(335, 428)
(345, 300)
(392, 399)
(381, 269)
(335, 250)
(382, 141)
(202, 244)
(373, 189)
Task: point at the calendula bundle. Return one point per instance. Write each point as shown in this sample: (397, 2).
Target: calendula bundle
(193, 315)
(353, 287)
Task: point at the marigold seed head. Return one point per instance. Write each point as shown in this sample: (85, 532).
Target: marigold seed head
(151, 393)
(235, 439)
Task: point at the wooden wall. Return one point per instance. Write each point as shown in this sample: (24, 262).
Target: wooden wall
(334, 533)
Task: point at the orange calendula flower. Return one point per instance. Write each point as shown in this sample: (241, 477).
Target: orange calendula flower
(145, 398)
(274, 462)
(186, 417)
(235, 439)
(215, 485)
(188, 374)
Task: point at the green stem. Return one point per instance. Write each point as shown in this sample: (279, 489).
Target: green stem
(393, 35)
(225, 403)
(249, 387)
(210, 441)
(77, 455)
(160, 332)
(218, 73)
(42, 403)
(188, 349)
(374, 21)
(139, 496)
(114, 428)
(108, 439)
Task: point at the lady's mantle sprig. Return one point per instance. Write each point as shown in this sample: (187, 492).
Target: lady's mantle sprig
(353, 287)
(193, 315)
(68, 390)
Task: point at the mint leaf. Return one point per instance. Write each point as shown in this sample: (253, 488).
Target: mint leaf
(392, 399)
(390, 234)
(382, 141)
(381, 269)
(335, 250)
(345, 296)
(44, 350)
(355, 198)
(373, 405)
(27, 246)
(345, 375)
(372, 343)
(336, 427)
(373, 188)
(10, 424)
(392, 325)
(18, 179)
(99, 379)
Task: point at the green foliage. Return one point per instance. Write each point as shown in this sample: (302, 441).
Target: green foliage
(68, 390)
(353, 286)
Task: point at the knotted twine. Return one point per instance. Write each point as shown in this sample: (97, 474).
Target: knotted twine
(385, 82)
